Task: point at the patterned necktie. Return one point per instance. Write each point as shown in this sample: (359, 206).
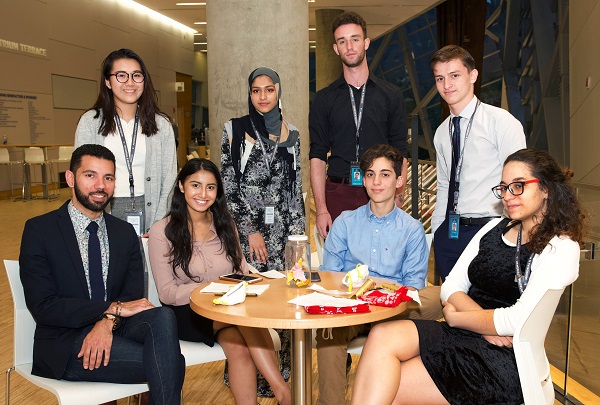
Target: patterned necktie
(455, 157)
(95, 263)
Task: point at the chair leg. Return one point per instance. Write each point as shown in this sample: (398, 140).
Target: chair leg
(7, 394)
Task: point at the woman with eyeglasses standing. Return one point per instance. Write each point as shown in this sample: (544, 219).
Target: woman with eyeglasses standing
(469, 358)
(126, 119)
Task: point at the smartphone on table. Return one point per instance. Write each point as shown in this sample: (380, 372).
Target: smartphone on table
(241, 277)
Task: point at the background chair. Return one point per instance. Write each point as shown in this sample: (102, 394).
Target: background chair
(67, 392)
(64, 157)
(35, 156)
(5, 161)
(528, 344)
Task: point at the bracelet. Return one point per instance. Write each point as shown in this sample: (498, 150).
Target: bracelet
(119, 308)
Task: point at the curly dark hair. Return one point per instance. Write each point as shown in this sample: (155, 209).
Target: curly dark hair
(147, 104)
(564, 215)
(178, 228)
(349, 17)
(385, 151)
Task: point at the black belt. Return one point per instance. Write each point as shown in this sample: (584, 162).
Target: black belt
(475, 221)
(334, 179)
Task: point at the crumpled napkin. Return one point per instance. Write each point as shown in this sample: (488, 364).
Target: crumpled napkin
(357, 277)
(235, 295)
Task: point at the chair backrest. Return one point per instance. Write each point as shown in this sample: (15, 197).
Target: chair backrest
(4, 156)
(152, 290)
(528, 344)
(34, 155)
(65, 152)
(24, 328)
(429, 239)
(319, 243)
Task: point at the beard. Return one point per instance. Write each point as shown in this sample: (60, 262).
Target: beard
(359, 59)
(88, 203)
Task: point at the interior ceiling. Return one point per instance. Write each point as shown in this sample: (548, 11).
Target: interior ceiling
(380, 15)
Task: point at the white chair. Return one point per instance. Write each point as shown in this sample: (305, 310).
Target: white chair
(194, 352)
(64, 156)
(5, 161)
(35, 156)
(528, 345)
(67, 392)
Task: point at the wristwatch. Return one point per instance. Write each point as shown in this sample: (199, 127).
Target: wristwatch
(115, 320)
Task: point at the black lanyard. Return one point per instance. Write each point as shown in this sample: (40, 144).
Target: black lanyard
(522, 279)
(129, 155)
(358, 117)
(268, 161)
(461, 154)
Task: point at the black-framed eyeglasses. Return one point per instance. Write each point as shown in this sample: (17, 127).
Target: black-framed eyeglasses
(515, 188)
(123, 77)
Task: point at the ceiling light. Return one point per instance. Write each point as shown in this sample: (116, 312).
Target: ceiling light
(198, 33)
(194, 4)
(200, 23)
(312, 42)
(199, 43)
(312, 29)
(158, 15)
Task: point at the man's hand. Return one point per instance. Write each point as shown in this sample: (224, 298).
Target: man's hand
(129, 308)
(323, 224)
(257, 247)
(96, 345)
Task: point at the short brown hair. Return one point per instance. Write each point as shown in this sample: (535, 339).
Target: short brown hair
(450, 52)
(385, 151)
(349, 17)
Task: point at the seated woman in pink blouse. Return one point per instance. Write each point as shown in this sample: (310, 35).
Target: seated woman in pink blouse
(196, 243)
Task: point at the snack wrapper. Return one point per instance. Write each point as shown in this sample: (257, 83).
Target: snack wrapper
(235, 295)
(357, 277)
(382, 299)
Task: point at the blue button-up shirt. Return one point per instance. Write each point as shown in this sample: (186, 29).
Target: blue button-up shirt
(393, 246)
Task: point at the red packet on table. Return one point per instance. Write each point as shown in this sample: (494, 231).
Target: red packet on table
(376, 297)
(321, 309)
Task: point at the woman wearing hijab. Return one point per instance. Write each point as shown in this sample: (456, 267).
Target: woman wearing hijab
(260, 167)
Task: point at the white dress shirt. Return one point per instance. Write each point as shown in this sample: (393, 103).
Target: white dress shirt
(494, 135)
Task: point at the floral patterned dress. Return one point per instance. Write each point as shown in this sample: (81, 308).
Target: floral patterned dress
(259, 187)
(247, 198)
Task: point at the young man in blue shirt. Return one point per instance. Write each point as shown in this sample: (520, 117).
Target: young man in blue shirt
(391, 243)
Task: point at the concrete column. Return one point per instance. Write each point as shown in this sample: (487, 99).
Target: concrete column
(329, 65)
(244, 35)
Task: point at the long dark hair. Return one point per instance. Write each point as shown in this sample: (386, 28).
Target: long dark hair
(564, 215)
(178, 232)
(147, 105)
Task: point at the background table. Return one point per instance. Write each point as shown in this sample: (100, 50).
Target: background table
(272, 310)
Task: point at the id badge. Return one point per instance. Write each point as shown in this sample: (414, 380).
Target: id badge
(453, 225)
(136, 219)
(269, 214)
(356, 178)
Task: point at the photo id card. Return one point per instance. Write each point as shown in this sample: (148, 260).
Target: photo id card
(269, 214)
(136, 219)
(453, 225)
(355, 175)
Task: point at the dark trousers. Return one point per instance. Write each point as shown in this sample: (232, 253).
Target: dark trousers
(446, 250)
(343, 197)
(144, 348)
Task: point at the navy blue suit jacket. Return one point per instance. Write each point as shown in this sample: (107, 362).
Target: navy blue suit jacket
(56, 289)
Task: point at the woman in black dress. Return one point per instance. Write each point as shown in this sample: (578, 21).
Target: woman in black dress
(468, 359)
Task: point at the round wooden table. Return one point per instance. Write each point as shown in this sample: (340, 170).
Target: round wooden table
(272, 310)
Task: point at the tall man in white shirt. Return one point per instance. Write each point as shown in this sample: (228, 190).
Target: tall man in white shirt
(471, 146)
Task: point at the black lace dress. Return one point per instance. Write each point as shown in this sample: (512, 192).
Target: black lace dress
(465, 367)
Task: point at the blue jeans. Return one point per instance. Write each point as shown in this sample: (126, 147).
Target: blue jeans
(145, 348)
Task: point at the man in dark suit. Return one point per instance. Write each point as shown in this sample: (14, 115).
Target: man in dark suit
(83, 278)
